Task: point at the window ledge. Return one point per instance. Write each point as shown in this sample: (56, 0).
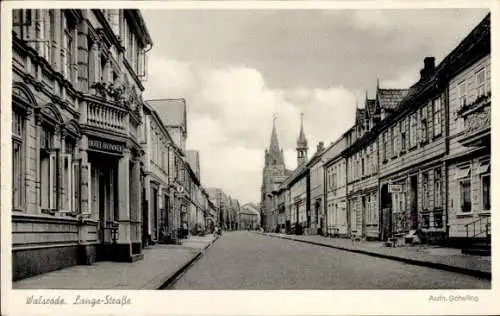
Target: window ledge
(394, 157)
(436, 136)
(412, 148)
(465, 215)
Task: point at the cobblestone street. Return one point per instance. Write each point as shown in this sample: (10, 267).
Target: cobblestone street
(246, 260)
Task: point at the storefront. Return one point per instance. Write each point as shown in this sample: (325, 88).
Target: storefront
(117, 208)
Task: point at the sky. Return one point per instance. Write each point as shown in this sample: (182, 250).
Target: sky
(236, 68)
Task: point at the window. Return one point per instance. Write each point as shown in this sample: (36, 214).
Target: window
(463, 176)
(384, 147)
(363, 167)
(402, 131)
(437, 116)
(480, 82)
(17, 160)
(68, 43)
(484, 173)
(438, 193)
(48, 165)
(425, 191)
(462, 98)
(392, 146)
(426, 220)
(423, 124)
(485, 188)
(69, 172)
(413, 130)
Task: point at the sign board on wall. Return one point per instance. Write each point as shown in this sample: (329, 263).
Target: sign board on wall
(395, 188)
(103, 145)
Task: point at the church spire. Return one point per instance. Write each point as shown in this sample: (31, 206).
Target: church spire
(301, 143)
(275, 154)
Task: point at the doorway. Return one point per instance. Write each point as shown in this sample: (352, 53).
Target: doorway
(413, 202)
(386, 204)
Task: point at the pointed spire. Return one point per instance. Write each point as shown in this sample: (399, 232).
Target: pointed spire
(302, 141)
(275, 154)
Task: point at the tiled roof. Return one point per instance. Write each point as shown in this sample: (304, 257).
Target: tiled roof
(171, 111)
(389, 99)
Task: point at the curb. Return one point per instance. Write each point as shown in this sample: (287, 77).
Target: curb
(428, 264)
(168, 280)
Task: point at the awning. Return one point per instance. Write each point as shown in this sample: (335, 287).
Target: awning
(462, 173)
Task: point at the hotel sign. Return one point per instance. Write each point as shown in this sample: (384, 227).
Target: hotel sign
(102, 145)
(395, 188)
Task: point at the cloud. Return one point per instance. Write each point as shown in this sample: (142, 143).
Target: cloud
(230, 112)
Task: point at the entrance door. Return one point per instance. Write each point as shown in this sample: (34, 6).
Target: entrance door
(386, 203)
(154, 201)
(413, 201)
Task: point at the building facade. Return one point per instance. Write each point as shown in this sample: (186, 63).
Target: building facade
(76, 110)
(335, 188)
(468, 161)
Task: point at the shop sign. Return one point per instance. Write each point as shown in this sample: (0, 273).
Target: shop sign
(395, 188)
(101, 145)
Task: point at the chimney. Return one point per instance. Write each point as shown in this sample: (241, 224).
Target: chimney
(320, 147)
(428, 70)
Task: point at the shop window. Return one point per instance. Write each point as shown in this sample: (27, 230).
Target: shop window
(438, 219)
(425, 191)
(437, 116)
(480, 82)
(17, 160)
(426, 220)
(438, 193)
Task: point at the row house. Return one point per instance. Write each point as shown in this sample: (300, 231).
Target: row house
(335, 188)
(234, 211)
(159, 218)
(318, 197)
(77, 81)
(362, 156)
(316, 175)
(222, 203)
(412, 147)
(173, 114)
(248, 217)
(468, 159)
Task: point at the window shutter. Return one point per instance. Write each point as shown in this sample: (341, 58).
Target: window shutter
(86, 192)
(75, 187)
(52, 181)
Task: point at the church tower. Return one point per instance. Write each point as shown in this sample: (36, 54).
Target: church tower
(272, 174)
(301, 144)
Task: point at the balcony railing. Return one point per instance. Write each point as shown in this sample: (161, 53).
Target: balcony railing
(479, 227)
(106, 116)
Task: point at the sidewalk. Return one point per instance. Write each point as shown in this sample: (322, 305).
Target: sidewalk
(424, 255)
(160, 263)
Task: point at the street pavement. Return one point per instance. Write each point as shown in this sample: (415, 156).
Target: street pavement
(250, 261)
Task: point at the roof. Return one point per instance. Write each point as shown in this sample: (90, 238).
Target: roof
(389, 99)
(171, 111)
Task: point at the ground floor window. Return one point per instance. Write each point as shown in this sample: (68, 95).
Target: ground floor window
(464, 189)
(485, 182)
